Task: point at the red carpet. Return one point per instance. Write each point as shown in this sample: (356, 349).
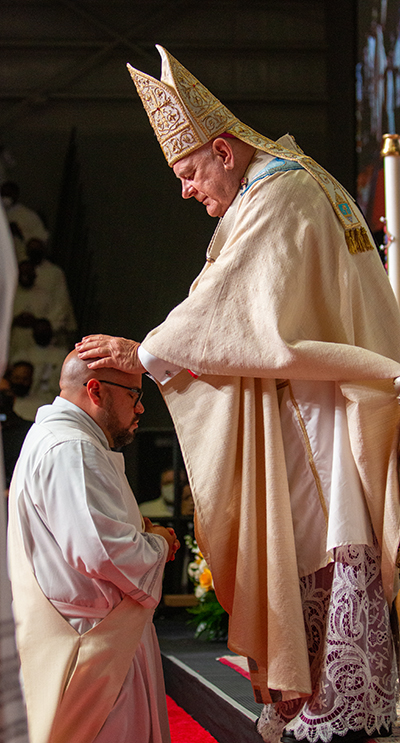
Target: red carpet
(237, 662)
(184, 729)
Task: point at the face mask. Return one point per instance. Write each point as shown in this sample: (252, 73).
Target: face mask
(7, 201)
(20, 390)
(35, 255)
(167, 492)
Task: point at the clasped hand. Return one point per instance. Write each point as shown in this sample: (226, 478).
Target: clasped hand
(168, 533)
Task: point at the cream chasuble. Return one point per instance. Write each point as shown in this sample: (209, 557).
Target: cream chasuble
(280, 298)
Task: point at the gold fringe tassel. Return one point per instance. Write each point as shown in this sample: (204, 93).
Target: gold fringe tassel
(357, 240)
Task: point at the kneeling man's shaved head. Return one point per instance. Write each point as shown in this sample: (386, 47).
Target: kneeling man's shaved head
(74, 373)
(111, 397)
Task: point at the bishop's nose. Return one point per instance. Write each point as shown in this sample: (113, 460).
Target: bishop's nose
(188, 190)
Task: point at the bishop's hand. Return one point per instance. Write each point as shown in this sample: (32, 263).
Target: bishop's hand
(107, 350)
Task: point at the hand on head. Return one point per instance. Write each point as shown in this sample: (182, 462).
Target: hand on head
(109, 351)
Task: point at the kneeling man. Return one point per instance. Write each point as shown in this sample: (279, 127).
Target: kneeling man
(86, 570)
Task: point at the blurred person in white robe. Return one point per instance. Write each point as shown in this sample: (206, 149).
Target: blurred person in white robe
(51, 279)
(30, 303)
(28, 221)
(46, 359)
(12, 713)
(75, 530)
(163, 506)
(40, 297)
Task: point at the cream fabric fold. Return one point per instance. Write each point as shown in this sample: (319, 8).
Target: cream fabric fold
(373, 416)
(243, 518)
(71, 681)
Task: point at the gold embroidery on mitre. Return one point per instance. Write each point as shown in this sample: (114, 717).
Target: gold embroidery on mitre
(209, 113)
(182, 112)
(167, 115)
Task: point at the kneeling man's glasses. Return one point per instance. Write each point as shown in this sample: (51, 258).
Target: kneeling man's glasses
(133, 390)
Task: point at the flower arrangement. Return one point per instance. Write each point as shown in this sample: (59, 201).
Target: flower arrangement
(210, 618)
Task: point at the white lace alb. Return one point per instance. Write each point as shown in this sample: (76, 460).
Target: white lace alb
(353, 667)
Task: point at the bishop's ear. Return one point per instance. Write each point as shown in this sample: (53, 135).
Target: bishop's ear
(221, 148)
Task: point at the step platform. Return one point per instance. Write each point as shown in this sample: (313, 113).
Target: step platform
(219, 698)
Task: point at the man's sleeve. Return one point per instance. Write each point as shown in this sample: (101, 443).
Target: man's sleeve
(85, 509)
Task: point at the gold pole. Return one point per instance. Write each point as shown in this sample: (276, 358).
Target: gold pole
(390, 145)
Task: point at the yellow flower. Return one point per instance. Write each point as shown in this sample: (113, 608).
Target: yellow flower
(205, 579)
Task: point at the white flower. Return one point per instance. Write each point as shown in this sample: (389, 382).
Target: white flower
(193, 571)
(199, 591)
(202, 564)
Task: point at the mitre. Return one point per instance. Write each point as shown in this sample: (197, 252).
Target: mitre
(185, 115)
(183, 112)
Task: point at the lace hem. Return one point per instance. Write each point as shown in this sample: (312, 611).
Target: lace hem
(352, 660)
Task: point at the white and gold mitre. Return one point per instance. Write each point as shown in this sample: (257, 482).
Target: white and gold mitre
(182, 112)
(185, 116)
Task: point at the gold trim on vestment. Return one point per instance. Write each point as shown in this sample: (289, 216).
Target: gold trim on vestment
(358, 241)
